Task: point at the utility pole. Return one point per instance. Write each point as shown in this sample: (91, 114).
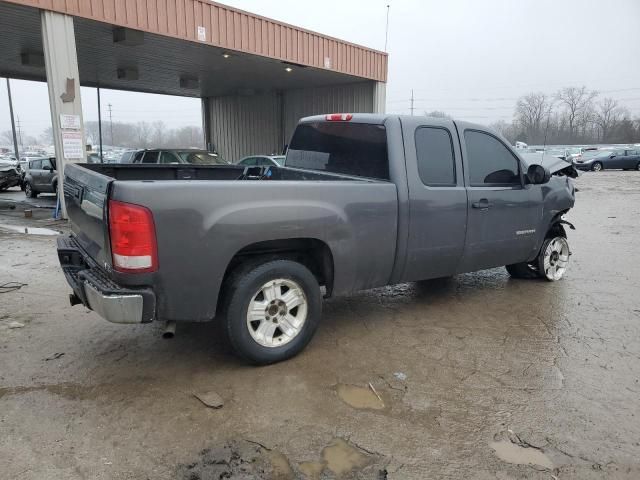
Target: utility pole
(412, 108)
(111, 124)
(19, 132)
(100, 125)
(386, 30)
(13, 123)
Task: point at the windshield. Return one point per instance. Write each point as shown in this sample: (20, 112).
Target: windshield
(201, 158)
(575, 150)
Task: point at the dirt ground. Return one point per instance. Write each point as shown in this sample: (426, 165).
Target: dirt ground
(477, 377)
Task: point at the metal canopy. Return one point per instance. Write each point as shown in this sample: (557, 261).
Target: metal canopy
(155, 66)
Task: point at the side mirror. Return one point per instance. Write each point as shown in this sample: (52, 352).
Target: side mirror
(537, 174)
(47, 167)
(613, 155)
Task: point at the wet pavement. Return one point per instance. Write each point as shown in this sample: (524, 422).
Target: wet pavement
(480, 376)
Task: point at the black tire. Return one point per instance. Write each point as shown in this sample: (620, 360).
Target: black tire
(597, 167)
(242, 287)
(523, 270)
(638, 166)
(29, 191)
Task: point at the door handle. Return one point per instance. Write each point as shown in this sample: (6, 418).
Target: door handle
(482, 204)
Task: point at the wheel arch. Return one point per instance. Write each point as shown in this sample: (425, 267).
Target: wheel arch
(313, 253)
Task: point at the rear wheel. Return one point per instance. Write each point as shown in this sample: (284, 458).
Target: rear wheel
(271, 310)
(29, 191)
(597, 167)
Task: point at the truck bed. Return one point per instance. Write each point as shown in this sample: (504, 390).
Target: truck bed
(206, 215)
(208, 172)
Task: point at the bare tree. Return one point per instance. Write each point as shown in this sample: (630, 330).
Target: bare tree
(531, 112)
(577, 103)
(607, 114)
(6, 137)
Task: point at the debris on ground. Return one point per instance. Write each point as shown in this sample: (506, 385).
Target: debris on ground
(400, 376)
(55, 356)
(11, 286)
(237, 460)
(210, 399)
(13, 325)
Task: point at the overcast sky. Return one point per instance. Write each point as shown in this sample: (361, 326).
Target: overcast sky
(469, 58)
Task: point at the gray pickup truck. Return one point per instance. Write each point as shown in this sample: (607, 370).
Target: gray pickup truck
(362, 201)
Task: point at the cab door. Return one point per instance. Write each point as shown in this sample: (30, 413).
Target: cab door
(503, 212)
(437, 198)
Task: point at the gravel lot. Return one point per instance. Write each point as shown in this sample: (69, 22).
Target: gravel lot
(480, 376)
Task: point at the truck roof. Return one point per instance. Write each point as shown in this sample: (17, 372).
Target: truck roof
(380, 118)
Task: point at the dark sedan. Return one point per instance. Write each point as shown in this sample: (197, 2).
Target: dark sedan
(619, 159)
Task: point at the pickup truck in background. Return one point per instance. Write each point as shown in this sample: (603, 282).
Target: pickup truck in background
(363, 201)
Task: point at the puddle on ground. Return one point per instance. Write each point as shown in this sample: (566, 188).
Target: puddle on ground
(311, 470)
(341, 458)
(359, 397)
(30, 230)
(281, 469)
(512, 453)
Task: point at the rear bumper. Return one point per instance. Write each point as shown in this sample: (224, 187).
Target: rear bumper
(97, 291)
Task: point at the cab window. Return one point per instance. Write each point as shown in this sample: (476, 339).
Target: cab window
(490, 162)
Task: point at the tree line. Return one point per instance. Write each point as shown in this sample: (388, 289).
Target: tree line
(572, 115)
(122, 134)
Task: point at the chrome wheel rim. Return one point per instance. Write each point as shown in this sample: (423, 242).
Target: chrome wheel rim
(597, 167)
(556, 258)
(27, 189)
(277, 313)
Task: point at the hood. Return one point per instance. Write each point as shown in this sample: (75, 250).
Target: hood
(555, 165)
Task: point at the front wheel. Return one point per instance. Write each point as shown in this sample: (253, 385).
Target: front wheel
(271, 310)
(29, 191)
(597, 167)
(554, 258)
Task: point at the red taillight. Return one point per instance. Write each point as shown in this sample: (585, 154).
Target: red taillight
(338, 117)
(133, 238)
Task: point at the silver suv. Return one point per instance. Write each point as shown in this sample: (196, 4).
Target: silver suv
(41, 177)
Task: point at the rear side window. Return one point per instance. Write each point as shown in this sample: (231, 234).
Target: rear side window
(434, 151)
(36, 164)
(358, 149)
(490, 162)
(150, 157)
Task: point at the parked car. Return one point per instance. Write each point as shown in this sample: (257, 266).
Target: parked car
(9, 176)
(127, 156)
(263, 161)
(620, 158)
(41, 177)
(364, 200)
(166, 156)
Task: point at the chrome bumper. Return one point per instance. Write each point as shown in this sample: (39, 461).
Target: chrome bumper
(115, 308)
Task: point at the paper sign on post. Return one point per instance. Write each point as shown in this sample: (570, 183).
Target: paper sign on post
(72, 145)
(70, 122)
(202, 34)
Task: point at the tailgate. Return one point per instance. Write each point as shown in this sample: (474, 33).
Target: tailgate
(85, 195)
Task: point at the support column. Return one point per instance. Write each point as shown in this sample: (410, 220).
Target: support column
(63, 81)
(206, 124)
(379, 97)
